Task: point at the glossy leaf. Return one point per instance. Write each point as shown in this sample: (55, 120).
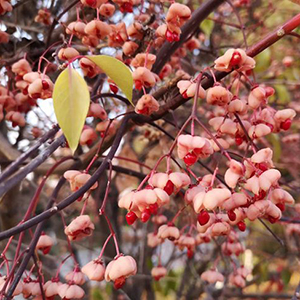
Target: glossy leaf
(116, 71)
(71, 100)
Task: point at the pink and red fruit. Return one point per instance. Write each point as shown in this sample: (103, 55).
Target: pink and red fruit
(153, 208)
(272, 220)
(281, 206)
(169, 187)
(203, 217)
(190, 159)
(241, 226)
(231, 215)
(138, 85)
(126, 7)
(190, 253)
(119, 282)
(91, 2)
(286, 125)
(172, 36)
(236, 59)
(113, 88)
(145, 216)
(130, 217)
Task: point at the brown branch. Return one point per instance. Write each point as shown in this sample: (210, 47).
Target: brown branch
(257, 48)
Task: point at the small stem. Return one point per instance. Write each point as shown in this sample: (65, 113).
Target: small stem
(151, 173)
(178, 213)
(240, 21)
(104, 246)
(102, 209)
(60, 266)
(85, 203)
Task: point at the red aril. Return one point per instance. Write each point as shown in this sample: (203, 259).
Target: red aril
(281, 206)
(203, 217)
(235, 59)
(130, 217)
(119, 282)
(169, 187)
(145, 216)
(286, 124)
(241, 226)
(190, 159)
(231, 215)
(113, 88)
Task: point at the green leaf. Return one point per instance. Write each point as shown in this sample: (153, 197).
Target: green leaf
(71, 100)
(275, 141)
(282, 93)
(116, 71)
(207, 27)
(263, 60)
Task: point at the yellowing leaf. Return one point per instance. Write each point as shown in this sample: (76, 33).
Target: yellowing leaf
(263, 60)
(116, 71)
(207, 26)
(71, 100)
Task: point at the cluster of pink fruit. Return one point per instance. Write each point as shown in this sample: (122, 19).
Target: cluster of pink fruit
(250, 189)
(118, 270)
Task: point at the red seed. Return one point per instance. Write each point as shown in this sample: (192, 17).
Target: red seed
(91, 2)
(172, 36)
(203, 217)
(138, 85)
(169, 36)
(119, 38)
(169, 187)
(175, 37)
(45, 85)
(241, 226)
(231, 215)
(119, 282)
(263, 167)
(286, 124)
(35, 96)
(130, 217)
(262, 194)
(46, 250)
(184, 95)
(190, 253)
(281, 206)
(239, 140)
(145, 216)
(190, 159)
(113, 88)
(153, 208)
(235, 59)
(126, 7)
(272, 220)
(206, 239)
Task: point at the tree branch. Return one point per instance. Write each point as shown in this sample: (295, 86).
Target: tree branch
(187, 31)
